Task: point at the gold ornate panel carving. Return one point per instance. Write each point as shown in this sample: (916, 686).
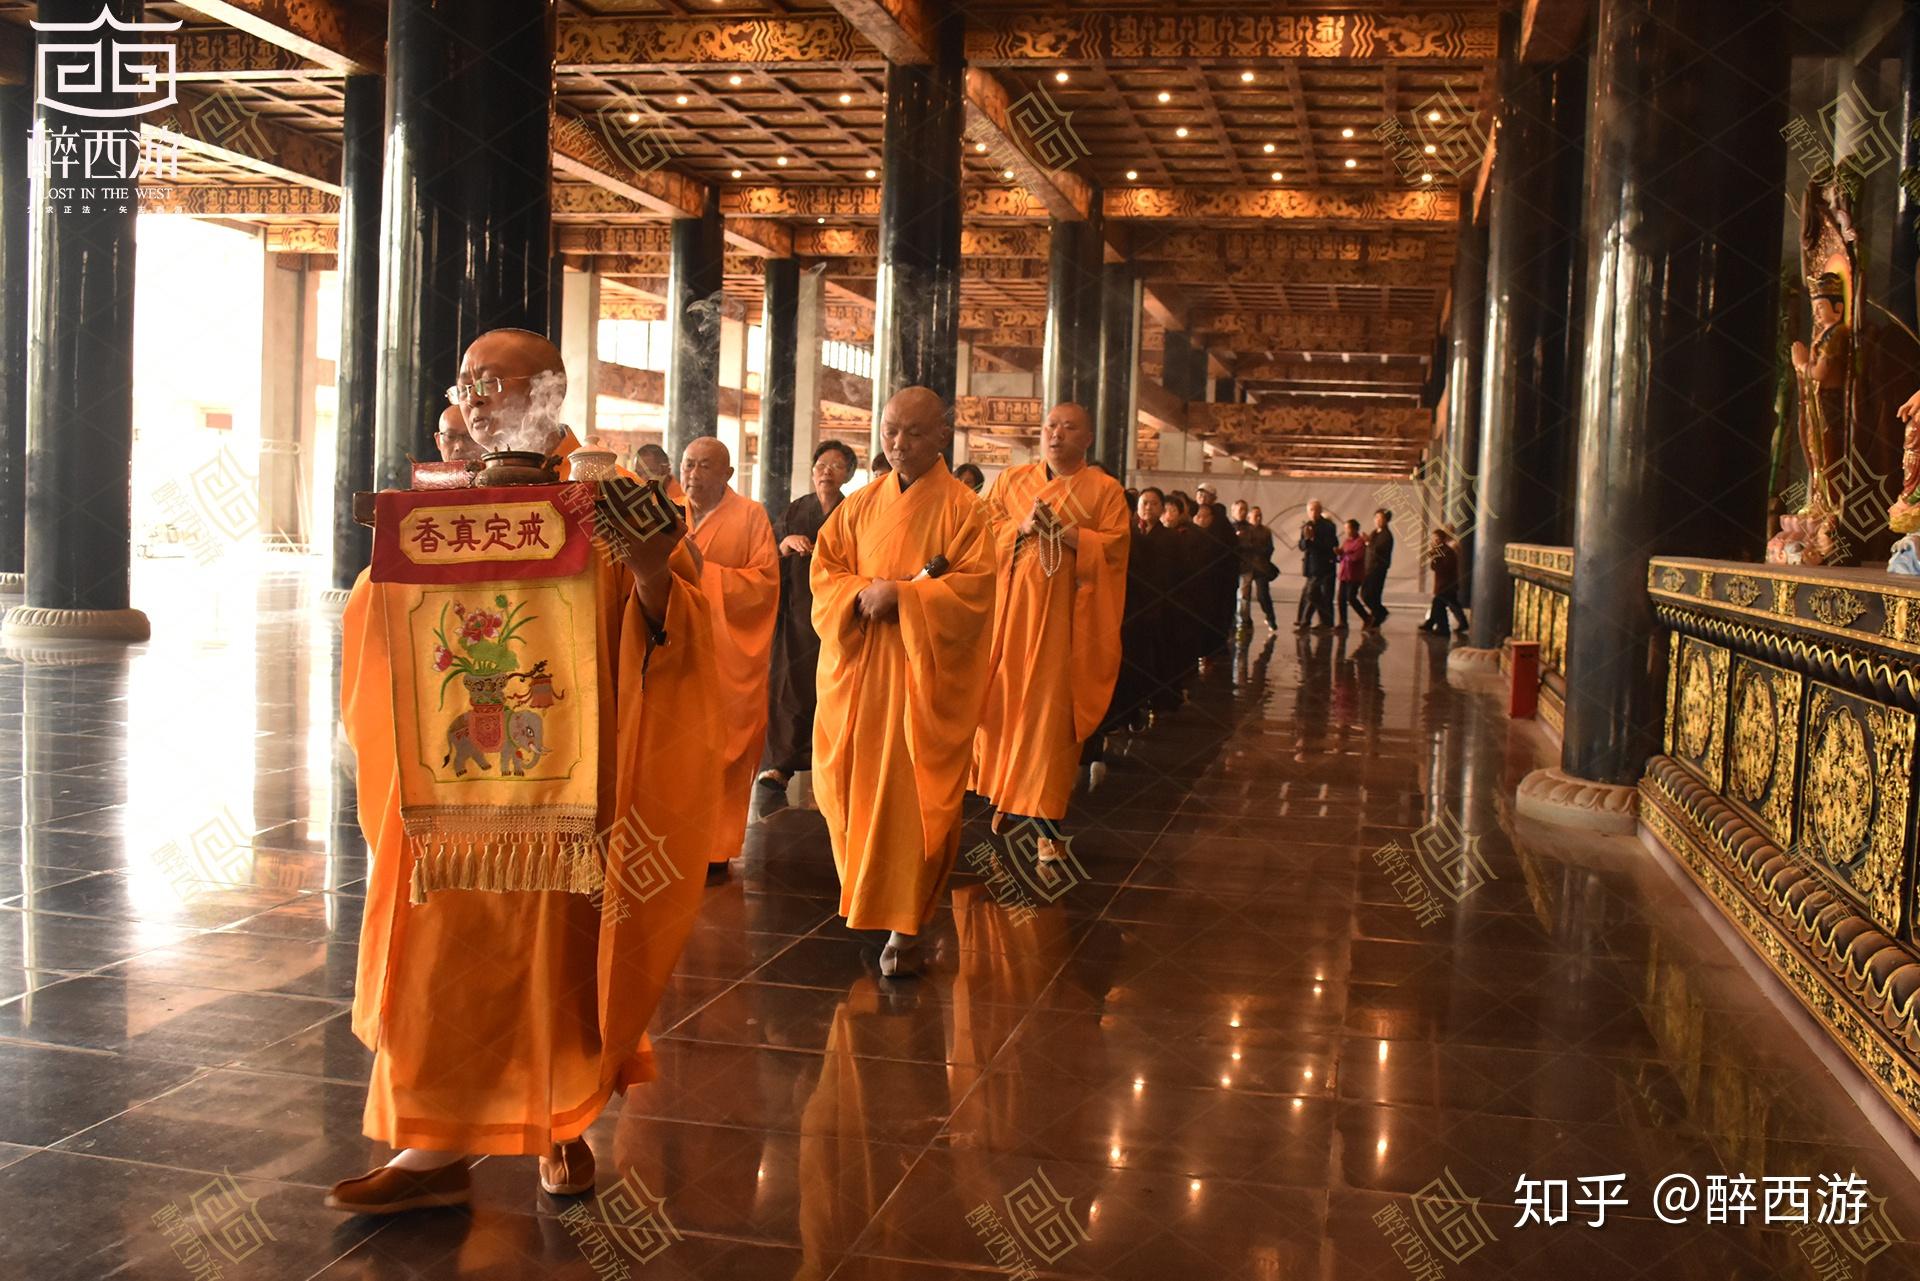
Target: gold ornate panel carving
(1561, 604)
(1697, 712)
(1763, 745)
(1857, 767)
(1835, 606)
(1783, 597)
(1743, 591)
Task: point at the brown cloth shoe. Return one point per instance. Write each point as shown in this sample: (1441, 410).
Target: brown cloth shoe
(568, 1169)
(390, 1191)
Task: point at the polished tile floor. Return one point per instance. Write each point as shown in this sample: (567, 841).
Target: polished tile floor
(1235, 1041)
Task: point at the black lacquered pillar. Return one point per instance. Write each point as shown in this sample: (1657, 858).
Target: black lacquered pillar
(1530, 399)
(357, 377)
(1119, 366)
(1183, 368)
(696, 281)
(16, 206)
(79, 395)
(1465, 344)
(1070, 354)
(916, 336)
(467, 201)
(1684, 158)
(780, 317)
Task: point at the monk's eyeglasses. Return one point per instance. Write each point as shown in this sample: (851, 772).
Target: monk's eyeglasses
(481, 388)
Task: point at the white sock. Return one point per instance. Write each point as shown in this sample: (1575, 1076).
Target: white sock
(898, 941)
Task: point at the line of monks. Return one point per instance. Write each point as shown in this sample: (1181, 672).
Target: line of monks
(958, 641)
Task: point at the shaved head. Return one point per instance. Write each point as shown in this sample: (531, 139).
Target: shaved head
(914, 431)
(1066, 437)
(705, 468)
(520, 381)
(455, 441)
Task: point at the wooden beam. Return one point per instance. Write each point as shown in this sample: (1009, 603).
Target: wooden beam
(1162, 406)
(1039, 160)
(303, 238)
(1018, 413)
(1350, 209)
(580, 150)
(232, 200)
(633, 46)
(217, 126)
(1552, 29)
(841, 201)
(338, 36)
(646, 238)
(1006, 339)
(900, 29)
(1330, 418)
(221, 53)
(1190, 39)
(1266, 330)
(864, 242)
(759, 237)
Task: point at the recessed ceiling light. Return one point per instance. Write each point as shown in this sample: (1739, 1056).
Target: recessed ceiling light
(783, 160)
(1347, 132)
(1433, 117)
(1426, 177)
(633, 117)
(733, 80)
(1246, 77)
(1181, 132)
(979, 146)
(1060, 77)
(821, 220)
(845, 98)
(1268, 148)
(1277, 175)
(1430, 149)
(1165, 96)
(1352, 163)
(873, 173)
(736, 173)
(1133, 175)
(1006, 173)
(680, 98)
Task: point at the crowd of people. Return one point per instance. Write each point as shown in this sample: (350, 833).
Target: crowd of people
(925, 636)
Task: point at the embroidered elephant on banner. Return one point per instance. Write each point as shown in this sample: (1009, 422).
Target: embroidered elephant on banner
(525, 733)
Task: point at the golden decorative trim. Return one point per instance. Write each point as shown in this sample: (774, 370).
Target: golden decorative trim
(1842, 971)
(1671, 579)
(1874, 670)
(1697, 713)
(1742, 591)
(1557, 561)
(1704, 588)
(1763, 748)
(1835, 606)
(1856, 771)
(1784, 593)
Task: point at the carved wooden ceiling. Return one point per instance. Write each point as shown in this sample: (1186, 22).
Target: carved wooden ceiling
(1285, 178)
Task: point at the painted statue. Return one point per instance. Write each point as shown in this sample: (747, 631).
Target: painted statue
(1823, 371)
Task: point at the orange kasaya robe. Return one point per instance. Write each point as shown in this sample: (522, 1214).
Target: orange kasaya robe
(1056, 640)
(740, 576)
(501, 1022)
(899, 700)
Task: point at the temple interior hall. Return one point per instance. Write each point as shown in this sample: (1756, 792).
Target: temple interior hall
(1555, 915)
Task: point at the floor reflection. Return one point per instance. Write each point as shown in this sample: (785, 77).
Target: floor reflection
(1227, 1041)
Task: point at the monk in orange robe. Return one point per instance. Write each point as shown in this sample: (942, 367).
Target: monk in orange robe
(652, 463)
(1062, 535)
(903, 602)
(740, 574)
(501, 1023)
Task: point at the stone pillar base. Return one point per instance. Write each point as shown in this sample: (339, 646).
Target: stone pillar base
(1554, 796)
(37, 624)
(335, 598)
(12, 584)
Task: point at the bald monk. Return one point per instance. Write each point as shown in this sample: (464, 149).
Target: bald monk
(455, 441)
(1061, 530)
(500, 1023)
(740, 575)
(653, 464)
(902, 599)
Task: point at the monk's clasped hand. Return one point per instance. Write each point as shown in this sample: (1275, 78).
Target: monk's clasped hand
(879, 600)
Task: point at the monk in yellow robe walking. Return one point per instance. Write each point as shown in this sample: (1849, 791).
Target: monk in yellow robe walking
(740, 575)
(903, 602)
(1062, 534)
(501, 1021)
